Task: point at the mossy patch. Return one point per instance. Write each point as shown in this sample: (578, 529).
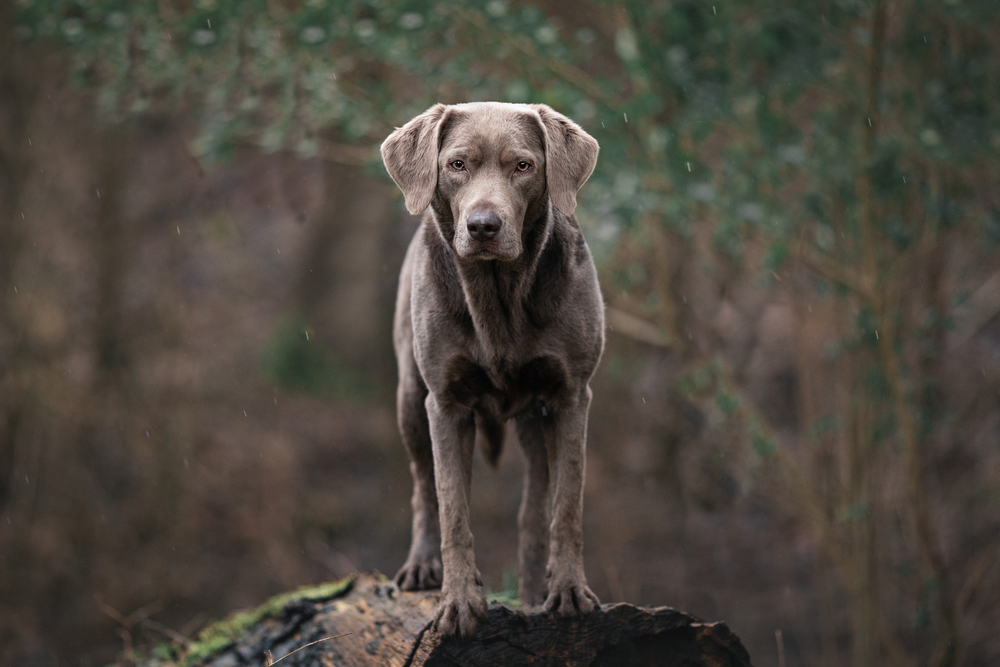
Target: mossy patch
(221, 634)
(508, 594)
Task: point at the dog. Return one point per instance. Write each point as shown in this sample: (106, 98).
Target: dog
(499, 317)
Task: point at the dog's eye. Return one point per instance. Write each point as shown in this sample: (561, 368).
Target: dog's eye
(458, 164)
(523, 166)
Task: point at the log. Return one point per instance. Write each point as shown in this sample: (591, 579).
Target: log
(391, 628)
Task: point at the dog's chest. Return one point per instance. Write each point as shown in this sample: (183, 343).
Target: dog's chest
(507, 388)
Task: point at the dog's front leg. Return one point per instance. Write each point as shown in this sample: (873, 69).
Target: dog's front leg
(566, 439)
(453, 432)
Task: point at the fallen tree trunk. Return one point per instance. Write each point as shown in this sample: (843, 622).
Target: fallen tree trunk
(368, 621)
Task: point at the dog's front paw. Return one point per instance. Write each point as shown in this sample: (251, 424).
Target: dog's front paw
(570, 598)
(459, 613)
(419, 574)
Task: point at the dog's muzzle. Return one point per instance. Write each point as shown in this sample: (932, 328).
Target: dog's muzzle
(483, 225)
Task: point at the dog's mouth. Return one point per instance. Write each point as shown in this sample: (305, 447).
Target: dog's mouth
(488, 252)
(504, 247)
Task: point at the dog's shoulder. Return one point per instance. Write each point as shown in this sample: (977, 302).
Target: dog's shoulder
(439, 275)
(565, 266)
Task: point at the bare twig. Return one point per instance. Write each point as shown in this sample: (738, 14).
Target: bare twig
(977, 576)
(126, 623)
(637, 328)
(176, 637)
(270, 661)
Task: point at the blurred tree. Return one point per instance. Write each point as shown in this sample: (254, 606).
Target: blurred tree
(836, 147)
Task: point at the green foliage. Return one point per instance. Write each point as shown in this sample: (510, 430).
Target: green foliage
(779, 88)
(853, 512)
(763, 445)
(728, 403)
(296, 360)
(823, 426)
(221, 634)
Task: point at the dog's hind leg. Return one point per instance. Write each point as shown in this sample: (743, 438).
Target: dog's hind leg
(532, 520)
(422, 569)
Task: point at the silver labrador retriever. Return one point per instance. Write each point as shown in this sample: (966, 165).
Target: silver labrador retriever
(499, 316)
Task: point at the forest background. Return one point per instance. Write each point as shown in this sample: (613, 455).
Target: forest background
(796, 217)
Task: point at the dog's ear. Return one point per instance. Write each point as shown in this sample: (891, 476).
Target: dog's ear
(570, 157)
(410, 155)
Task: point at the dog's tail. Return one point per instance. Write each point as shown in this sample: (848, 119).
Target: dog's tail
(491, 429)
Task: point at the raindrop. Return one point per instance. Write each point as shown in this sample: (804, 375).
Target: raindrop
(626, 116)
(22, 215)
(15, 289)
(644, 400)
(26, 480)
(244, 413)
(612, 328)
(279, 251)
(187, 464)
(869, 121)
(147, 432)
(602, 123)
(925, 39)
(713, 10)
(689, 167)
(29, 141)
(545, 412)
(98, 192)
(876, 334)
(209, 23)
(178, 230)
(904, 179)
(307, 334)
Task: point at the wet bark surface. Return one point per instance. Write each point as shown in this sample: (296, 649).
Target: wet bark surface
(392, 628)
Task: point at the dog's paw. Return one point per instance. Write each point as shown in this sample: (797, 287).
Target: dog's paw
(420, 574)
(571, 599)
(460, 614)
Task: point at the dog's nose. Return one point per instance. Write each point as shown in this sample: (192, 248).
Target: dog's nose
(483, 225)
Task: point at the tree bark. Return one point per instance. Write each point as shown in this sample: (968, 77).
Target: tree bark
(392, 628)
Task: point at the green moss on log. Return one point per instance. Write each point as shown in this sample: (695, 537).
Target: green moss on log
(221, 634)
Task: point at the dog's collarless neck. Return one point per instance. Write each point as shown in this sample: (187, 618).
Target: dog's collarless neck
(496, 291)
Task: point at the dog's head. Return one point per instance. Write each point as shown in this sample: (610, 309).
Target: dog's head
(490, 163)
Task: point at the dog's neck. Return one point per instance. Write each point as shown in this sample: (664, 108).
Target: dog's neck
(498, 294)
